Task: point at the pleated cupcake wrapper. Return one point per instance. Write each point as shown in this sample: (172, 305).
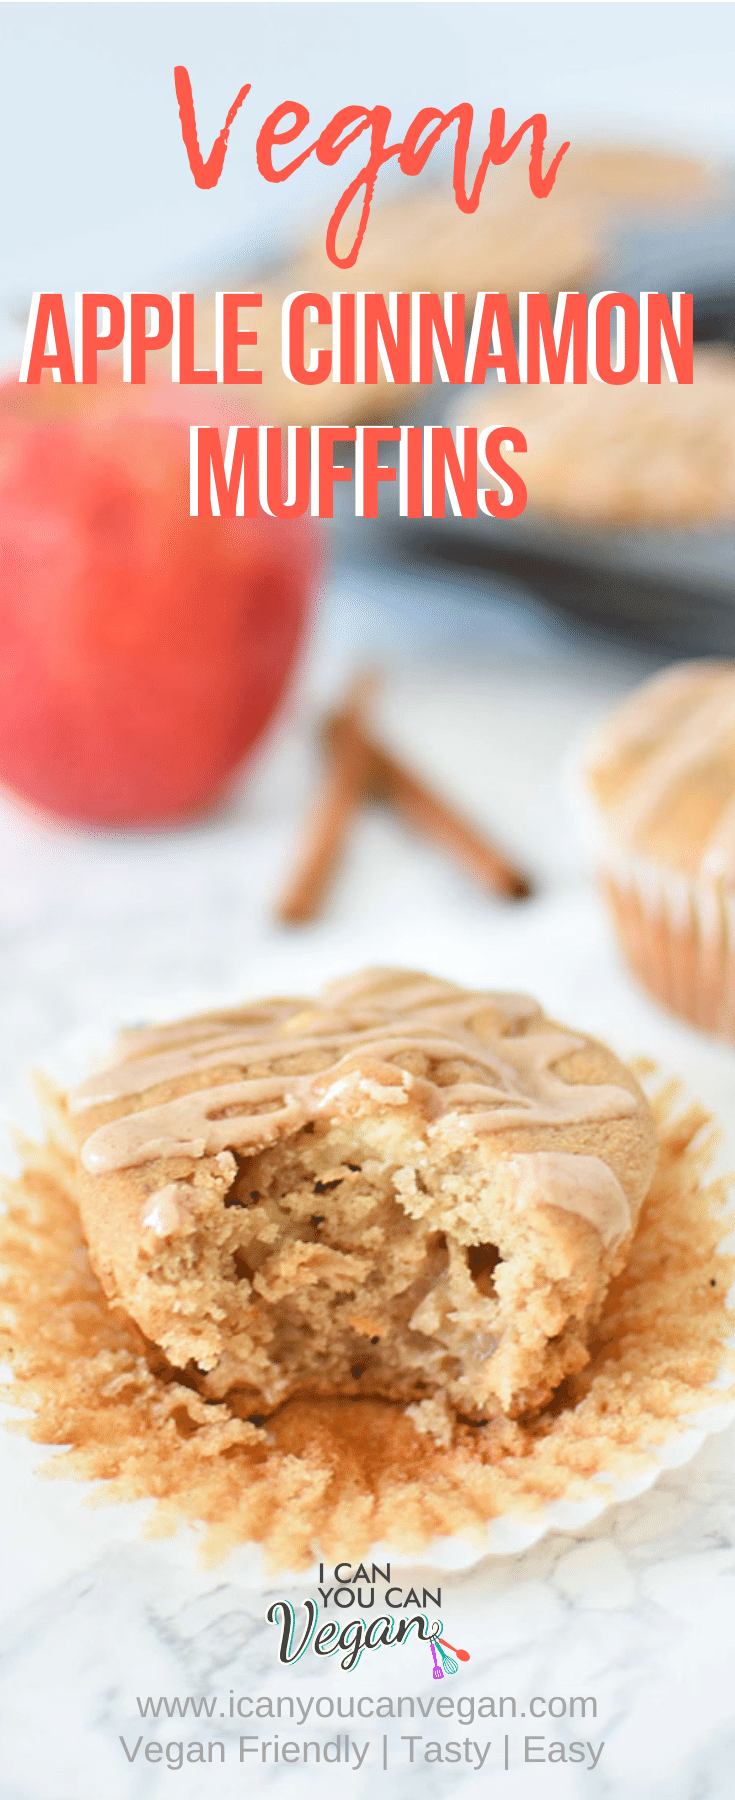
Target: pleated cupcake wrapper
(678, 935)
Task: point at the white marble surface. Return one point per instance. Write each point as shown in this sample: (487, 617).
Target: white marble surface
(637, 1609)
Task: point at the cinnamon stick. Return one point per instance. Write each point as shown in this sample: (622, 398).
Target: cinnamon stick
(359, 768)
(433, 816)
(346, 782)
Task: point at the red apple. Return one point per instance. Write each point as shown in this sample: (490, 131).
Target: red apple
(142, 652)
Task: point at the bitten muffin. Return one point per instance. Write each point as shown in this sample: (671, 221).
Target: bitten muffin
(401, 1189)
(661, 776)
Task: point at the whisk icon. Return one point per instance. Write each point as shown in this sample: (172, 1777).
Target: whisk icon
(450, 1664)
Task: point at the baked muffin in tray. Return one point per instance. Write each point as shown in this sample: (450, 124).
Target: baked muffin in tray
(402, 1189)
(417, 238)
(642, 456)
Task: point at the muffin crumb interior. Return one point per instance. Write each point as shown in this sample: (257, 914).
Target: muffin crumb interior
(323, 1470)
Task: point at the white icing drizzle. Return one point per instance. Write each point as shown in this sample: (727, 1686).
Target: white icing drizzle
(362, 1030)
(580, 1184)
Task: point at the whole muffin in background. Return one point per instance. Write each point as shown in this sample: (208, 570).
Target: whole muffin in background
(400, 1189)
(661, 775)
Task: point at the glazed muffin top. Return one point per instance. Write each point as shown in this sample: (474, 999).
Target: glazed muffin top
(662, 771)
(486, 1071)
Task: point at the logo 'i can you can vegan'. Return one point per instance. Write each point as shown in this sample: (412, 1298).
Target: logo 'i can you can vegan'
(351, 1637)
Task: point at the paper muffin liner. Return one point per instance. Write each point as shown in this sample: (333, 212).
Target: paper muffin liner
(87, 1388)
(678, 936)
(676, 931)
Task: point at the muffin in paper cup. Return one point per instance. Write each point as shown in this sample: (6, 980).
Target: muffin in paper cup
(659, 779)
(112, 1412)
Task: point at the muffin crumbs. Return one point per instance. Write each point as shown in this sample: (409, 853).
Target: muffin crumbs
(320, 1472)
